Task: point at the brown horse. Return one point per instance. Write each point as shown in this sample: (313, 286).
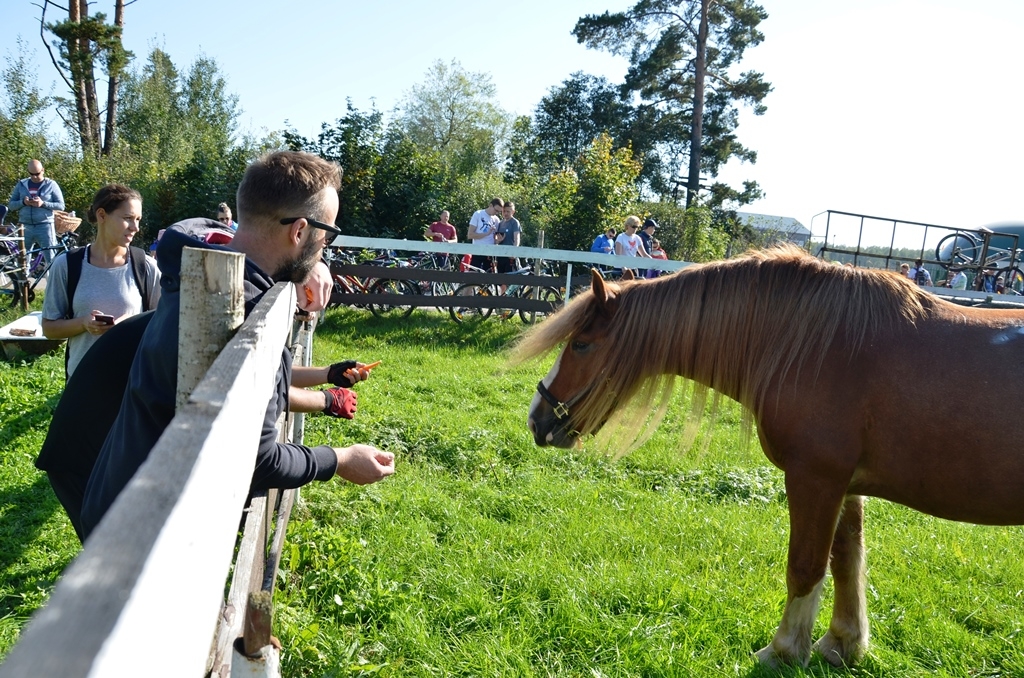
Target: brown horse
(845, 372)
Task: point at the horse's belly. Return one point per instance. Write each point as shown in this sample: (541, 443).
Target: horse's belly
(982, 497)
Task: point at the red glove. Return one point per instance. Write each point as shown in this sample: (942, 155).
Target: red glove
(340, 402)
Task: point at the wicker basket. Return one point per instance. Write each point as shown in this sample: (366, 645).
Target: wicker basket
(64, 222)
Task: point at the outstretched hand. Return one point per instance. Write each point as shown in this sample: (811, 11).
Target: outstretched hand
(347, 373)
(340, 402)
(364, 464)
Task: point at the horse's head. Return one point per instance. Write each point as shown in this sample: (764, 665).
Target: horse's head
(562, 410)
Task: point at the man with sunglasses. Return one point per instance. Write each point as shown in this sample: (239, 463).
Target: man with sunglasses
(287, 203)
(35, 198)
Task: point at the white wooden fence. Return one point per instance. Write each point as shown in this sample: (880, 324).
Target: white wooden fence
(146, 594)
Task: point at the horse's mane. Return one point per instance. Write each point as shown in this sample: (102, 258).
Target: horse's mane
(734, 326)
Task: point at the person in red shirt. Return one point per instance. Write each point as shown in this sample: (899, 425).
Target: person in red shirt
(441, 231)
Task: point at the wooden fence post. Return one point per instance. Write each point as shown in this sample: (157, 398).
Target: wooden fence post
(212, 308)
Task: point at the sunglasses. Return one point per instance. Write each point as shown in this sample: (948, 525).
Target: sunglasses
(314, 223)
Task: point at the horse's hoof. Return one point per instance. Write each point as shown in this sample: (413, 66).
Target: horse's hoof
(772, 658)
(839, 652)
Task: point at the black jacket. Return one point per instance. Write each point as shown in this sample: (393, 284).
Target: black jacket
(148, 404)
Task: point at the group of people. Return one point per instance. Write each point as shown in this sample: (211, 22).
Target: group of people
(989, 280)
(496, 224)
(119, 309)
(634, 241)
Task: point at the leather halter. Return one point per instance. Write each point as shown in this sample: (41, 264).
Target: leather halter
(560, 409)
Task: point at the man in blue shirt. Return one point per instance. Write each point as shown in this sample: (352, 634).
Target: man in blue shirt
(35, 198)
(604, 243)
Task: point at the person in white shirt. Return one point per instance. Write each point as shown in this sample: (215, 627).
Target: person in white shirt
(482, 226)
(628, 243)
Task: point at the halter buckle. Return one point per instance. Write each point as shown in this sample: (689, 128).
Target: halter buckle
(561, 410)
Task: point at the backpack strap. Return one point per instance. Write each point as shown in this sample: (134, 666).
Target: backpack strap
(138, 260)
(75, 259)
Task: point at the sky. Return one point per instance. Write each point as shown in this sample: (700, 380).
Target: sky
(901, 109)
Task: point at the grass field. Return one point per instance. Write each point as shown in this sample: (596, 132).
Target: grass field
(485, 555)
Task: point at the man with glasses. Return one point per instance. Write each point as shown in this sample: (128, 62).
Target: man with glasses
(287, 203)
(35, 198)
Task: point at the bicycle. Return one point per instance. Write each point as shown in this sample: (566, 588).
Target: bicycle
(962, 250)
(17, 281)
(350, 284)
(475, 314)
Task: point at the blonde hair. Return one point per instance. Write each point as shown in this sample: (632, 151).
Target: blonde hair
(632, 221)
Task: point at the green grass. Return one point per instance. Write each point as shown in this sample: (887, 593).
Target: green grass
(485, 555)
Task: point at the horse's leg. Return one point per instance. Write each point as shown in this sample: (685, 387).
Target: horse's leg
(847, 636)
(814, 503)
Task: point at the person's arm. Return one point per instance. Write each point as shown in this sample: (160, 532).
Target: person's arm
(346, 373)
(515, 238)
(473, 233)
(57, 202)
(17, 199)
(65, 328)
(364, 464)
(301, 400)
(618, 248)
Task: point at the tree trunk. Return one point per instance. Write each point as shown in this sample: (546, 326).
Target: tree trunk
(113, 87)
(89, 78)
(697, 125)
(77, 54)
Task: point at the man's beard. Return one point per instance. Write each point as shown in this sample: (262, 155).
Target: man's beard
(297, 270)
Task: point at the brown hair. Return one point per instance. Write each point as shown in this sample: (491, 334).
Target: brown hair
(285, 184)
(109, 198)
(497, 202)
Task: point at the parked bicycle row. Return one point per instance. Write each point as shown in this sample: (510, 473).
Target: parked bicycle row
(464, 302)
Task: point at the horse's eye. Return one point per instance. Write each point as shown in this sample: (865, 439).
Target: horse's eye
(580, 346)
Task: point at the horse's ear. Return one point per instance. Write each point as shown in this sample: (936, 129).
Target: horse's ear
(598, 286)
(627, 274)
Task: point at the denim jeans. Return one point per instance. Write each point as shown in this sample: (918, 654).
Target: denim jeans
(42, 235)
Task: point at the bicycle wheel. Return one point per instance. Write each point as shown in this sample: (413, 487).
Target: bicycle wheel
(957, 249)
(549, 294)
(388, 286)
(470, 313)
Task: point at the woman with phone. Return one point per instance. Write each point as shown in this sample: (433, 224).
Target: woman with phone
(92, 288)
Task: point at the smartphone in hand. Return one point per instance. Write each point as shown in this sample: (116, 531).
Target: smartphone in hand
(105, 319)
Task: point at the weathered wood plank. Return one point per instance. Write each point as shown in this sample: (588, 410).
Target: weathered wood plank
(162, 553)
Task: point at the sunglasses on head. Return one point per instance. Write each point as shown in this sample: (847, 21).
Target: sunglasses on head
(314, 223)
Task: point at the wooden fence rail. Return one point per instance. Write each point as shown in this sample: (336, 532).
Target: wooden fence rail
(144, 595)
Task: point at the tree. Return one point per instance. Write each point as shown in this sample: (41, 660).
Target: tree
(571, 116)
(453, 113)
(682, 55)
(21, 129)
(354, 142)
(82, 41)
(575, 205)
